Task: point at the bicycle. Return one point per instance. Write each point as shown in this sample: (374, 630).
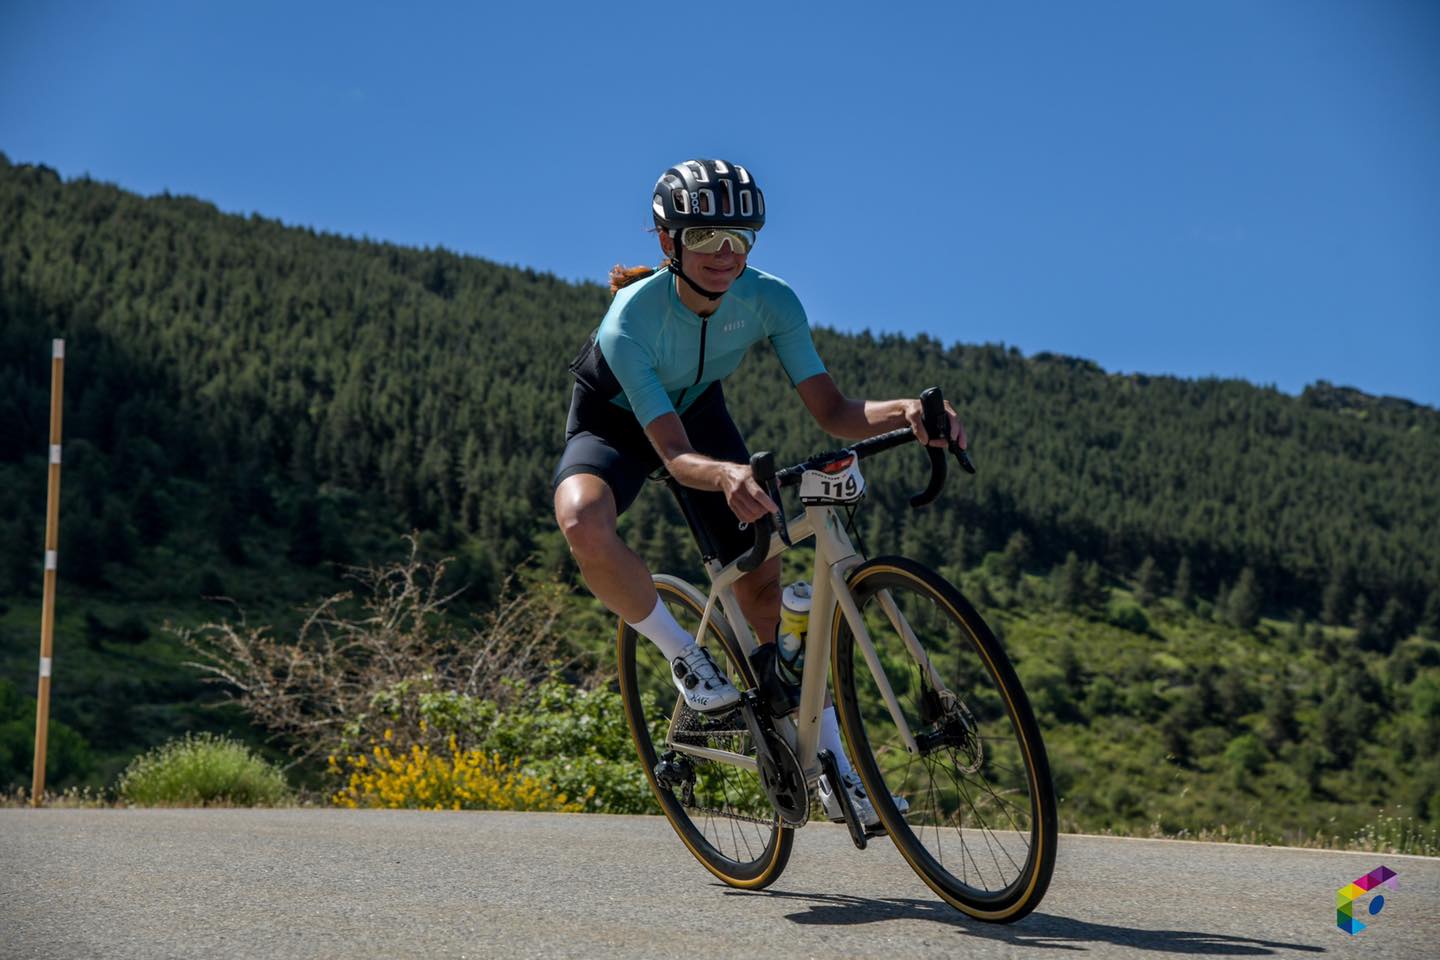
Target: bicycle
(930, 707)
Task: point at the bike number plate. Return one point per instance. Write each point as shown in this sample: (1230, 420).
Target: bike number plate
(839, 481)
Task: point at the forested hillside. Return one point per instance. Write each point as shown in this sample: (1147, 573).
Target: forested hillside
(267, 361)
(248, 403)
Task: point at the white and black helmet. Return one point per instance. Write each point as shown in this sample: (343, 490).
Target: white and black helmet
(708, 193)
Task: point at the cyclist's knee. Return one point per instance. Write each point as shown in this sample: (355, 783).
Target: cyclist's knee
(585, 511)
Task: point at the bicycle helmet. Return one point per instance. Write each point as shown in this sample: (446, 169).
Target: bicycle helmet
(705, 193)
(708, 193)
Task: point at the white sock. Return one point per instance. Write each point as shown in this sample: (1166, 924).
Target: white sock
(661, 629)
(830, 739)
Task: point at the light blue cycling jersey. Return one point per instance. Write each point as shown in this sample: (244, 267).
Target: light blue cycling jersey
(653, 343)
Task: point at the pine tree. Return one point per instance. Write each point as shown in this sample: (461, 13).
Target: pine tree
(1097, 594)
(1332, 602)
(1394, 624)
(1242, 606)
(1184, 591)
(1361, 620)
(1430, 617)
(1070, 583)
(1146, 580)
(1281, 727)
(1015, 557)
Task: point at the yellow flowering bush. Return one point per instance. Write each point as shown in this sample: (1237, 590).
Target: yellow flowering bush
(424, 780)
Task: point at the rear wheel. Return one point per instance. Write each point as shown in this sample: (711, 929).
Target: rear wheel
(981, 824)
(717, 807)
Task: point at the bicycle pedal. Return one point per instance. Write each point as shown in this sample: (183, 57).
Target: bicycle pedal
(858, 835)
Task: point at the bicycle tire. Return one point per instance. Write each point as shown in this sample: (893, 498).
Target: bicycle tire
(738, 836)
(984, 744)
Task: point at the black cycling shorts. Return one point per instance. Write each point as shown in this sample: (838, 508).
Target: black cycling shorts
(608, 441)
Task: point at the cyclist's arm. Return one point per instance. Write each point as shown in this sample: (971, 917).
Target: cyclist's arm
(745, 497)
(857, 419)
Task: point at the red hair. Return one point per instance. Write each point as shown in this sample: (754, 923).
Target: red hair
(624, 276)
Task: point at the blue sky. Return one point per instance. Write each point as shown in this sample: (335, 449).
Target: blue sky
(1241, 189)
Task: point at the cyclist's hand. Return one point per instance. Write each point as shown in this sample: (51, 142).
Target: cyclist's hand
(747, 499)
(915, 417)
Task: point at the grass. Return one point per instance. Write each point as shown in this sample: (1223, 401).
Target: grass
(200, 771)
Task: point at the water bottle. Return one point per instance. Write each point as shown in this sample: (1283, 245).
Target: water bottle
(794, 622)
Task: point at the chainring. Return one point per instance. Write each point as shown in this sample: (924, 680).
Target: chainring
(784, 782)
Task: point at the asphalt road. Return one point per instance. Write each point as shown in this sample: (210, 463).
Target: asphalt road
(306, 883)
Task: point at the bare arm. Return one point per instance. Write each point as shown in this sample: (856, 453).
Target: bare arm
(691, 469)
(857, 419)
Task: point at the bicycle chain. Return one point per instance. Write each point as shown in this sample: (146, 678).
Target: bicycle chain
(697, 729)
(693, 728)
(731, 815)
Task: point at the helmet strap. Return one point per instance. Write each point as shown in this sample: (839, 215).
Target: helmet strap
(679, 271)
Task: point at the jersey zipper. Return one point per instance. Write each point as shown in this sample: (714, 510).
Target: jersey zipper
(704, 325)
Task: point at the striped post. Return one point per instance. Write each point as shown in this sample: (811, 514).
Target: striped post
(52, 553)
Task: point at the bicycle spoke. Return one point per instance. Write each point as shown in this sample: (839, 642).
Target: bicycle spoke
(717, 805)
(973, 816)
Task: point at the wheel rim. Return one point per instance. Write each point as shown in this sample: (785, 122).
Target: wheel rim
(972, 793)
(725, 817)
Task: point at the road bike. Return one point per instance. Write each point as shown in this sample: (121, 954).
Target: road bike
(930, 707)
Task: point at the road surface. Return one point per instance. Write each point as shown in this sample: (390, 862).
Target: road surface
(319, 883)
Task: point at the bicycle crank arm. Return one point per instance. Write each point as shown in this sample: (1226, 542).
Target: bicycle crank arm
(781, 777)
(837, 786)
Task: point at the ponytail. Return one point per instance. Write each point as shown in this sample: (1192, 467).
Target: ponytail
(624, 276)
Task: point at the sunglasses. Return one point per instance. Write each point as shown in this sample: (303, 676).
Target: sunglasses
(711, 239)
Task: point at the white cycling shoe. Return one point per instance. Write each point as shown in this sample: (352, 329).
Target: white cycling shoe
(864, 809)
(700, 682)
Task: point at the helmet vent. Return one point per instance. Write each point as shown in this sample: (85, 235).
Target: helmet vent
(696, 193)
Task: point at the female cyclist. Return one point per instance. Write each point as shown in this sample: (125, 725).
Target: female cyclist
(648, 394)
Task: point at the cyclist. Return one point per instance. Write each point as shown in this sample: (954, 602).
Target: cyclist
(648, 394)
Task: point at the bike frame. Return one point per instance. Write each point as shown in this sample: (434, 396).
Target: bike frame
(835, 557)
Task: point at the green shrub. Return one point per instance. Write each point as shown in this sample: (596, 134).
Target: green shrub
(201, 770)
(1127, 616)
(69, 761)
(575, 739)
(1103, 697)
(1246, 756)
(578, 740)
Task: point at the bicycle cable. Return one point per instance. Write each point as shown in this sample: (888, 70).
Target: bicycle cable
(852, 528)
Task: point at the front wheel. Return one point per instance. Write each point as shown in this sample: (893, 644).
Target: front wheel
(701, 767)
(958, 742)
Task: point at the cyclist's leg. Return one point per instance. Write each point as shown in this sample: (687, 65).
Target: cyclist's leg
(597, 478)
(615, 574)
(715, 435)
(759, 595)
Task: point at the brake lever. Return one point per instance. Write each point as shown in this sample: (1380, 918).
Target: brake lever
(762, 468)
(937, 424)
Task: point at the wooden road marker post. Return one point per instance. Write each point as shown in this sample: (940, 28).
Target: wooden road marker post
(52, 554)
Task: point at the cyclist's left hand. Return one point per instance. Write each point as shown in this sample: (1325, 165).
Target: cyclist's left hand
(915, 417)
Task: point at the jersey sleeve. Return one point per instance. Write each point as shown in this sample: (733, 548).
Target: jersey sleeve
(634, 366)
(789, 331)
